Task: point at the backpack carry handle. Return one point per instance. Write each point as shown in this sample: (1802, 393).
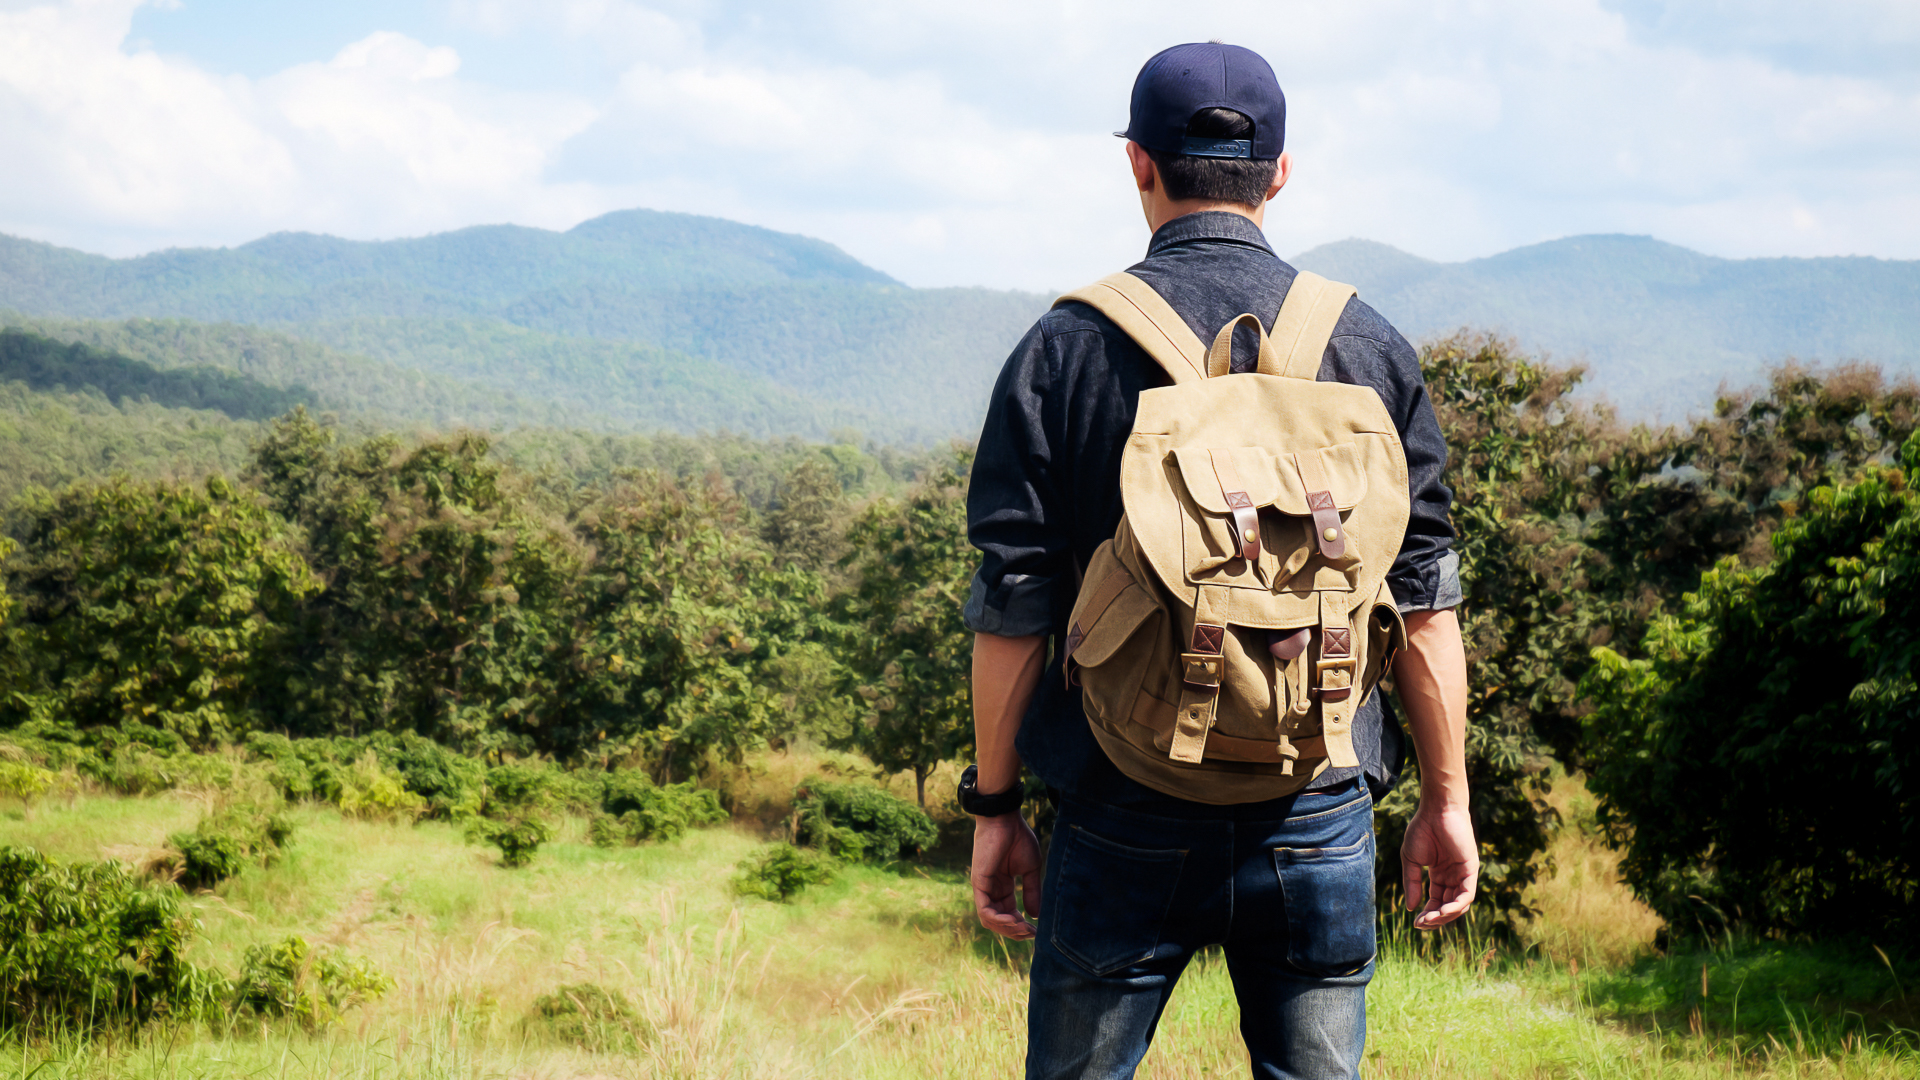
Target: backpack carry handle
(1220, 357)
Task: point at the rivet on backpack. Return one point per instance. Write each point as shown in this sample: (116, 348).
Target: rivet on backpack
(1226, 635)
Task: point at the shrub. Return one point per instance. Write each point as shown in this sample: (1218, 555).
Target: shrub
(518, 839)
(861, 821)
(779, 871)
(368, 789)
(94, 944)
(517, 789)
(635, 809)
(450, 782)
(226, 841)
(314, 986)
(19, 780)
(590, 1016)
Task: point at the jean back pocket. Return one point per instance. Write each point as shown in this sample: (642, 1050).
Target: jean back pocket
(1110, 901)
(1330, 906)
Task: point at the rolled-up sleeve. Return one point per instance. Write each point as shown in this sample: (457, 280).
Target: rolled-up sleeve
(1013, 503)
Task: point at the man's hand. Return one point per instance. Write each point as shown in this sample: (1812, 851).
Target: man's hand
(1440, 842)
(1005, 850)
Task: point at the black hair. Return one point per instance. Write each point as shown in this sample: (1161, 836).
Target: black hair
(1242, 181)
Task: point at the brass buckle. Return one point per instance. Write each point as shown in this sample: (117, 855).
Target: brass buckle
(1202, 669)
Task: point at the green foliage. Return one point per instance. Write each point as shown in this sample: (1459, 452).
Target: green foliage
(806, 524)
(1757, 766)
(151, 603)
(778, 872)
(591, 1017)
(681, 607)
(518, 839)
(49, 439)
(295, 370)
(94, 945)
(43, 363)
(634, 809)
(447, 598)
(226, 841)
(855, 821)
(909, 651)
(24, 781)
(314, 986)
(1574, 533)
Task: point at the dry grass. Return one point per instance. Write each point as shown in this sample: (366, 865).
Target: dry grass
(1586, 915)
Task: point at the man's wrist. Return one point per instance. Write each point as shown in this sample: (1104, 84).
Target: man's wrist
(1443, 799)
(987, 804)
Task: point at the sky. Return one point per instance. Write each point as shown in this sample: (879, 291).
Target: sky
(958, 142)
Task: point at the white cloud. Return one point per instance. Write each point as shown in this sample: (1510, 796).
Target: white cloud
(966, 143)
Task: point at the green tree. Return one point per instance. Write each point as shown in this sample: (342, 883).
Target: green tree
(159, 604)
(448, 601)
(807, 523)
(1757, 766)
(908, 651)
(681, 610)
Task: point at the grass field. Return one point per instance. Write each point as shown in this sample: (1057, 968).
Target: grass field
(882, 972)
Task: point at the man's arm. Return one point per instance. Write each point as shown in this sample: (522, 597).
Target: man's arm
(1431, 677)
(1005, 672)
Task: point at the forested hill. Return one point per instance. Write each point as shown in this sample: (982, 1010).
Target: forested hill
(652, 319)
(1659, 326)
(640, 320)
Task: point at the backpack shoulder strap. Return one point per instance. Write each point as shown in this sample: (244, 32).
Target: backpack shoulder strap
(1304, 326)
(1150, 321)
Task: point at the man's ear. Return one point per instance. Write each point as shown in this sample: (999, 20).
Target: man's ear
(1145, 176)
(1280, 174)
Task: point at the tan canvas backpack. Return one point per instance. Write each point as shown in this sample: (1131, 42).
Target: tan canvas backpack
(1226, 635)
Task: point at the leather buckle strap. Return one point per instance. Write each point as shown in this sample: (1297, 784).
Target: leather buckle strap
(1245, 519)
(1333, 670)
(1328, 534)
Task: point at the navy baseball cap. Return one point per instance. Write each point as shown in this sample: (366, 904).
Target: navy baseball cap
(1180, 81)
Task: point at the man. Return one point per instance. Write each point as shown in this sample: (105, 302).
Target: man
(1154, 878)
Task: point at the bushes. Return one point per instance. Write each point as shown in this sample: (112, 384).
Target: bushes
(94, 944)
(518, 839)
(856, 822)
(225, 842)
(850, 822)
(778, 871)
(591, 1017)
(634, 809)
(291, 978)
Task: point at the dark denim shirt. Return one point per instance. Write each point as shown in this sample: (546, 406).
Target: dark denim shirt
(1045, 490)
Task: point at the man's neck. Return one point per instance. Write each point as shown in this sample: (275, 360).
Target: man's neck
(1160, 211)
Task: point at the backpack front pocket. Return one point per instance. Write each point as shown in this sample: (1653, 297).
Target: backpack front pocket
(1249, 518)
(1118, 636)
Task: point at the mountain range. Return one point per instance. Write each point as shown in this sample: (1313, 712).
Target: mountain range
(1659, 327)
(640, 320)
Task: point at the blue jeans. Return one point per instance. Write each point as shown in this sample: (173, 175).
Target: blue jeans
(1130, 897)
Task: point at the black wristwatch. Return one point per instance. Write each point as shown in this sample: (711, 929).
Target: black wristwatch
(1005, 802)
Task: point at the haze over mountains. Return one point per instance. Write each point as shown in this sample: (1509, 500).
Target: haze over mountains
(1660, 327)
(647, 321)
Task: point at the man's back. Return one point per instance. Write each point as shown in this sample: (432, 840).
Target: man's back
(1048, 472)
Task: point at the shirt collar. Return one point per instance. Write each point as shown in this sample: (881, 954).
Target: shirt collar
(1216, 225)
